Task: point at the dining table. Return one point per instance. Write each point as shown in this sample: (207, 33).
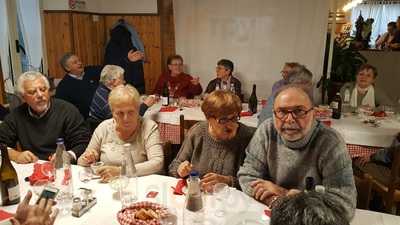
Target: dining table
(239, 207)
(362, 138)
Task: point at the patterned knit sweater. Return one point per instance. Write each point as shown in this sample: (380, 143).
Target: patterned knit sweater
(209, 155)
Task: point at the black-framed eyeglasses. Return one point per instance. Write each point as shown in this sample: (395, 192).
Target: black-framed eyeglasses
(297, 113)
(225, 120)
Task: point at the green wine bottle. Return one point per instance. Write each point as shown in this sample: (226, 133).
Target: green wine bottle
(9, 188)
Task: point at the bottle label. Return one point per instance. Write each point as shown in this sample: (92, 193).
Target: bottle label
(335, 105)
(13, 193)
(164, 100)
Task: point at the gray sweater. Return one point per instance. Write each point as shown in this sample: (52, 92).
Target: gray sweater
(322, 154)
(208, 155)
(380, 97)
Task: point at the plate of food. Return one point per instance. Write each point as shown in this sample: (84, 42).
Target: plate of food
(143, 213)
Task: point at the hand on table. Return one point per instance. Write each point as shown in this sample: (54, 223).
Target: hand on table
(149, 101)
(362, 160)
(134, 56)
(26, 157)
(88, 157)
(195, 80)
(107, 173)
(210, 179)
(39, 214)
(264, 190)
(184, 169)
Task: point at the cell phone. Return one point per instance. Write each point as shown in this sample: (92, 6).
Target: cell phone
(48, 192)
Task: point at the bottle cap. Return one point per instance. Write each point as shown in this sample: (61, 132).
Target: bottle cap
(194, 173)
(60, 141)
(320, 188)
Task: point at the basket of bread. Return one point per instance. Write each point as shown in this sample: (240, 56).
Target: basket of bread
(142, 213)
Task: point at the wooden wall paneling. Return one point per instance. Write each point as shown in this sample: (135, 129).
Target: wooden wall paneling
(167, 30)
(89, 39)
(148, 28)
(57, 28)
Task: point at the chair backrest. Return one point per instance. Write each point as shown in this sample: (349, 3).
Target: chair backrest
(184, 126)
(395, 171)
(169, 155)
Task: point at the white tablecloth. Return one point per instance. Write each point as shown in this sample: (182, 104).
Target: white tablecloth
(194, 113)
(238, 205)
(355, 132)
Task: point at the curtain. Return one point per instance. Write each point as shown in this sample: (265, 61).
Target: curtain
(4, 49)
(31, 32)
(382, 12)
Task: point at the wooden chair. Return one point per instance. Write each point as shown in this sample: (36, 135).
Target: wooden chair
(169, 155)
(384, 181)
(184, 126)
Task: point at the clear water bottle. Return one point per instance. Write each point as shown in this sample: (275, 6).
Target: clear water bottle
(128, 178)
(63, 178)
(346, 101)
(232, 88)
(194, 210)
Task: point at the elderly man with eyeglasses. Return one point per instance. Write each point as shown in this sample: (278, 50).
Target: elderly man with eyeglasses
(292, 146)
(36, 124)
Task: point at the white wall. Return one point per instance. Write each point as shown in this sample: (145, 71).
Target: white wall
(107, 6)
(257, 35)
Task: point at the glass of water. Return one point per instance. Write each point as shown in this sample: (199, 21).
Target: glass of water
(221, 194)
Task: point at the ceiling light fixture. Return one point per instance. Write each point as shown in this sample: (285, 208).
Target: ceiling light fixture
(351, 4)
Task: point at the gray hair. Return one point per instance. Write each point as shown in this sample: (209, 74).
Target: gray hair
(30, 75)
(300, 75)
(111, 72)
(123, 93)
(64, 60)
(312, 208)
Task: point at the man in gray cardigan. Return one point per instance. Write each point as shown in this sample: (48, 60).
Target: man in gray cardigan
(292, 146)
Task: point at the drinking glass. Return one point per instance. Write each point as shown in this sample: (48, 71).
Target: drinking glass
(221, 193)
(85, 175)
(171, 218)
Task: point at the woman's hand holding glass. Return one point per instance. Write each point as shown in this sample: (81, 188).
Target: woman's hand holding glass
(88, 157)
(210, 179)
(108, 173)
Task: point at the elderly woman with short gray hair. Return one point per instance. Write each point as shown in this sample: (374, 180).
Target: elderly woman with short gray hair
(125, 126)
(111, 76)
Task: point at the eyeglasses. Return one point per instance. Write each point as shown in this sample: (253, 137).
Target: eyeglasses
(298, 113)
(225, 120)
(33, 92)
(176, 64)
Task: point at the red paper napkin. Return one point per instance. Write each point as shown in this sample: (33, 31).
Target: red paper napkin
(267, 212)
(243, 114)
(5, 215)
(178, 189)
(41, 172)
(168, 108)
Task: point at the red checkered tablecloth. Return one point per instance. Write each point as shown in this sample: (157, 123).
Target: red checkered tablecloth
(361, 151)
(169, 132)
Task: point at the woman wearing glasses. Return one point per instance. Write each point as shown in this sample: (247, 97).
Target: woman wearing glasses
(216, 147)
(179, 83)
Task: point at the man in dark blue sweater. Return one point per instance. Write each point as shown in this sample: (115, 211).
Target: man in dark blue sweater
(37, 123)
(79, 84)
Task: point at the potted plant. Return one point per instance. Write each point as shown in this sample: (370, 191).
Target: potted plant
(345, 62)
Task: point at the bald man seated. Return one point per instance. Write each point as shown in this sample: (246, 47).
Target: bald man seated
(293, 145)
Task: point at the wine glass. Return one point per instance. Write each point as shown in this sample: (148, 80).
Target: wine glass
(221, 193)
(171, 218)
